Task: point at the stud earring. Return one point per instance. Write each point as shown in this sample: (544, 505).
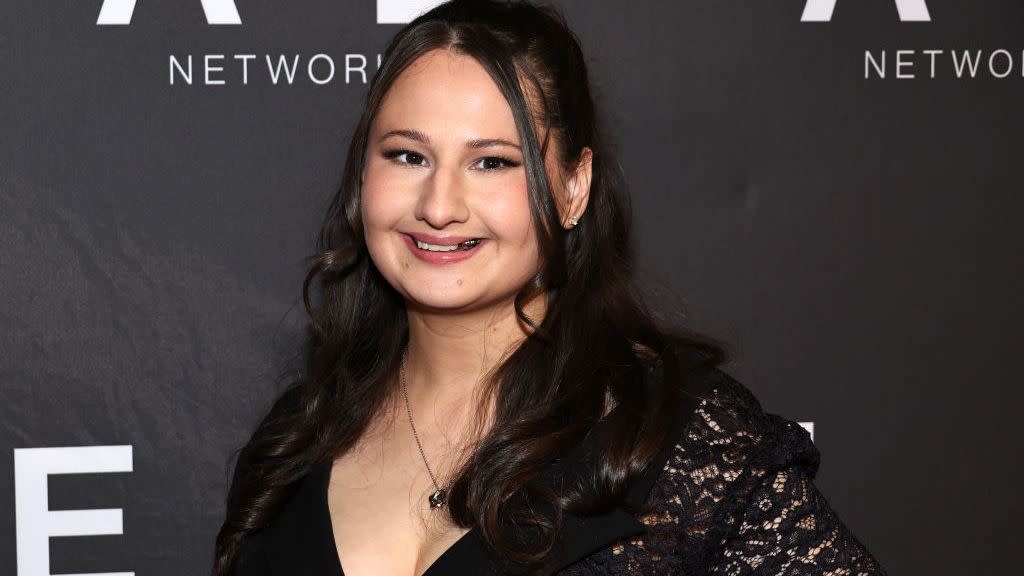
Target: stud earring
(573, 221)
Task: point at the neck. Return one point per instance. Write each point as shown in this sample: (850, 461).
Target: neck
(450, 355)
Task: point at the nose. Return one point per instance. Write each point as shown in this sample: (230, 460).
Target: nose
(442, 198)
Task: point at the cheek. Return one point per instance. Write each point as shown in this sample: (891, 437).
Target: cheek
(378, 204)
(508, 212)
(380, 216)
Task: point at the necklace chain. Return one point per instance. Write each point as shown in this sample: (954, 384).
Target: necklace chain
(437, 499)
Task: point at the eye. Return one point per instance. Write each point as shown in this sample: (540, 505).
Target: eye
(486, 164)
(413, 159)
(494, 163)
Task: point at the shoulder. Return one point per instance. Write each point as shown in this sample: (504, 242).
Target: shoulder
(730, 429)
(721, 421)
(297, 538)
(291, 537)
(727, 449)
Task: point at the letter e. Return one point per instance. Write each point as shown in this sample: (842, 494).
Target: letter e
(35, 523)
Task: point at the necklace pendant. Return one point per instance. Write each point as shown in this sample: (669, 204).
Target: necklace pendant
(437, 499)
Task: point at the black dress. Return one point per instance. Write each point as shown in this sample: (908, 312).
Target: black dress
(734, 496)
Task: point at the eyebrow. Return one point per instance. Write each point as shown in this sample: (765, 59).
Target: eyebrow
(475, 143)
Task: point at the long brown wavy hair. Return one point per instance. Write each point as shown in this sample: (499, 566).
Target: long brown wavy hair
(593, 343)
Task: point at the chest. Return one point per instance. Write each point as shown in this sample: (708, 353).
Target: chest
(380, 517)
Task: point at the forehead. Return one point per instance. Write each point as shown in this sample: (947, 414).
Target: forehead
(445, 92)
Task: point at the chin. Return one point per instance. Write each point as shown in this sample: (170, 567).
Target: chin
(441, 304)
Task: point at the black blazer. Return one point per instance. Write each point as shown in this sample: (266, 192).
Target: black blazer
(734, 496)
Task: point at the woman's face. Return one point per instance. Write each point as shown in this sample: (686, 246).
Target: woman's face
(443, 161)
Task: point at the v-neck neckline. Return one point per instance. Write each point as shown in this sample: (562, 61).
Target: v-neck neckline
(461, 547)
(582, 534)
(328, 528)
(302, 539)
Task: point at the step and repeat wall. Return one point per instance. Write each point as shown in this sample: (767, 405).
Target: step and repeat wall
(831, 186)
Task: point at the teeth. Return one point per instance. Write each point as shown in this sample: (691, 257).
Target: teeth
(439, 248)
(436, 247)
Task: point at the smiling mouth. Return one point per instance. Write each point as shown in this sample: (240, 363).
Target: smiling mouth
(467, 245)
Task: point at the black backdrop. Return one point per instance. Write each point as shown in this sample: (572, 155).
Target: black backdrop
(853, 234)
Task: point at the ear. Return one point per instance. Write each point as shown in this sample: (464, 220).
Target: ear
(578, 188)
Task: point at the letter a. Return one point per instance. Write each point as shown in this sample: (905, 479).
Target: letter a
(120, 12)
(910, 11)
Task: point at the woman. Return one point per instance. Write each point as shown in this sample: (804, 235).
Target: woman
(485, 393)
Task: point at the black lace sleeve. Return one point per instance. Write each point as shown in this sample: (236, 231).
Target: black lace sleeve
(781, 524)
(736, 498)
(789, 529)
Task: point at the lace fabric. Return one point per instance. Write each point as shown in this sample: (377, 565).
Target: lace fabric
(736, 498)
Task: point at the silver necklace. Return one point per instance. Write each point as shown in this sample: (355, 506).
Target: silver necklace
(437, 499)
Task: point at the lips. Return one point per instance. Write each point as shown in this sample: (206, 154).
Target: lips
(443, 256)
